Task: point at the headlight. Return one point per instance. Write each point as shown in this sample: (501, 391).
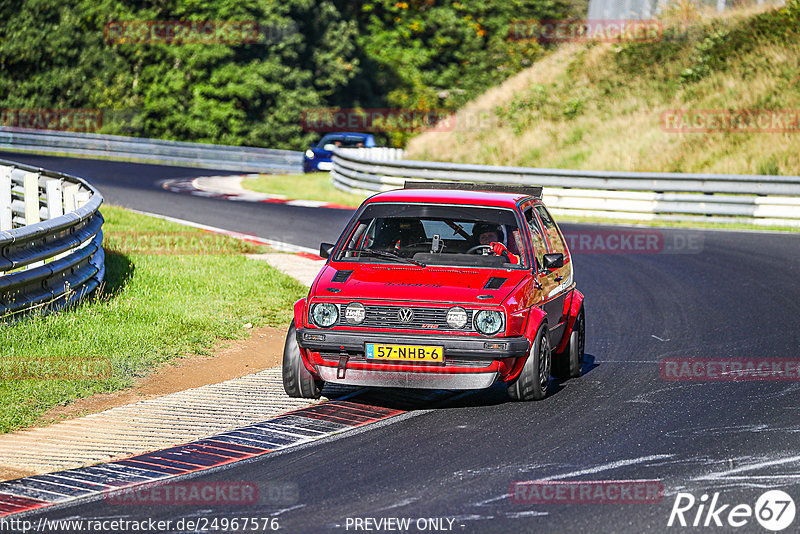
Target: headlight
(355, 313)
(310, 154)
(456, 317)
(324, 314)
(488, 322)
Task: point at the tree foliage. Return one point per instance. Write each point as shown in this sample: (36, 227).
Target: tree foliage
(415, 54)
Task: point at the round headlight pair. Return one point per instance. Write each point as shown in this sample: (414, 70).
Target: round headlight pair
(324, 314)
(488, 322)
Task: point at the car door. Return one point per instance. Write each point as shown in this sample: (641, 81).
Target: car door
(546, 282)
(560, 279)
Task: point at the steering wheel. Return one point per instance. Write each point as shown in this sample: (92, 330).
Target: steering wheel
(476, 248)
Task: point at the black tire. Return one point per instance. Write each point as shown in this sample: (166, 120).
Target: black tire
(297, 381)
(533, 381)
(568, 364)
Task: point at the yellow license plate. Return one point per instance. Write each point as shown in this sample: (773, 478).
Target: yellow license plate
(404, 353)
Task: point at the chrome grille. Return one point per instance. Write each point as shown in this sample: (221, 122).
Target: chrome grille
(423, 318)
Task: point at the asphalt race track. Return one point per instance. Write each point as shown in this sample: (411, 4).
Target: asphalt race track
(737, 296)
(136, 186)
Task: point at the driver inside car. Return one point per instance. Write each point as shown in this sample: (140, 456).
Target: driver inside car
(492, 236)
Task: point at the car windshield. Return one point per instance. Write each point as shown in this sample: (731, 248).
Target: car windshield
(345, 141)
(434, 235)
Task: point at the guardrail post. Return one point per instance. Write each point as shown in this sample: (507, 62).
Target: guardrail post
(31, 196)
(55, 201)
(82, 198)
(6, 213)
(69, 198)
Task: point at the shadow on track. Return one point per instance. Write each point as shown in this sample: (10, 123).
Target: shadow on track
(426, 399)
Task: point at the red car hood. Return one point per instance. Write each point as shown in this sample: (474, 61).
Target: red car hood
(411, 283)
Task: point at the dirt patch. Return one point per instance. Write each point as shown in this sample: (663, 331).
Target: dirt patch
(10, 473)
(262, 350)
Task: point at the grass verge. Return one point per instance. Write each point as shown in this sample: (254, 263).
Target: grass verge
(606, 106)
(312, 186)
(169, 290)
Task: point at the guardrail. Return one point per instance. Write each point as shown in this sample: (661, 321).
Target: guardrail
(221, 157)
(51, 239)
(635, 196)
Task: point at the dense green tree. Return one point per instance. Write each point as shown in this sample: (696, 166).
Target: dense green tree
(418, 54)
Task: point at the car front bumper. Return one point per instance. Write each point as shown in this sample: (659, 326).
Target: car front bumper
(471, 362)
(424, 379)
(317, 164)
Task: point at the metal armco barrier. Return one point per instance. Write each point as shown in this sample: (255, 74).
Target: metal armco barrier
(222, 157)
(51, 239)
(635, 196)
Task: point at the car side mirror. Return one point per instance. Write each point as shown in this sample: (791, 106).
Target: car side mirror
(330, 147)
(326, 249)
(553, 261)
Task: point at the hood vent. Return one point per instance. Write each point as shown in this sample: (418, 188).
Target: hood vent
(494, 282)
(341, 276)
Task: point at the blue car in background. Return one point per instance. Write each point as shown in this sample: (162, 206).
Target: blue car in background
(318, 157)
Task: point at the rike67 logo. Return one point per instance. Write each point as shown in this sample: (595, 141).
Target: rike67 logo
(774, 510)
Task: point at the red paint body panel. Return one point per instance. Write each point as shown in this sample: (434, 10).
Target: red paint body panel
(419, 284)
(571, 308)
(300, 313)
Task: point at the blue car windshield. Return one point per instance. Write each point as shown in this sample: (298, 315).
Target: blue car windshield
(344, 141)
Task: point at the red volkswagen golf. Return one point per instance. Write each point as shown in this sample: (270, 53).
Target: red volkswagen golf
(443, 286)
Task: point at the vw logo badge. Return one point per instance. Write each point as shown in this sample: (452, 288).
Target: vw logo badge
(405, 315)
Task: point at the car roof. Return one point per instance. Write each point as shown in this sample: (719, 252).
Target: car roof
(451, 196)
(357, 134)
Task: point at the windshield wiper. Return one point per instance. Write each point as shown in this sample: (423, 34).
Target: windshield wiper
(389, 255)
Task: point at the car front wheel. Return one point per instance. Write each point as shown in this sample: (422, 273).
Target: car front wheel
(533, 381)
(297, 381)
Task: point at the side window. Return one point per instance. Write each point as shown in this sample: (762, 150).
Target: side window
(357, 241)
(553, 236)
(536, 235)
